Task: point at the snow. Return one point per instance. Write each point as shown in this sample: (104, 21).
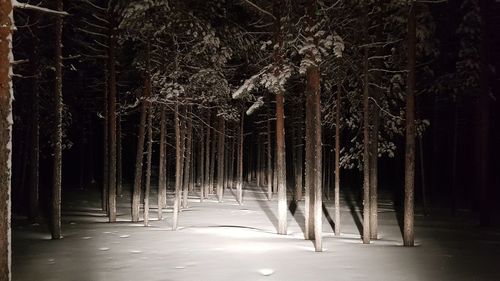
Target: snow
(225, 241)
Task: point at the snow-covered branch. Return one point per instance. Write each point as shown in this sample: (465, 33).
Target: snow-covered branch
(27, 6)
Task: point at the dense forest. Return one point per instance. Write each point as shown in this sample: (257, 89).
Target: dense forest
(305, 99)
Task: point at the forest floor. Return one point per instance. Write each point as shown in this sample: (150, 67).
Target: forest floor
(226, 241)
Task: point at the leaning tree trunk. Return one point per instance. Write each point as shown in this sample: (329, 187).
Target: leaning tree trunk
(6, 97)
(162, 173)
(337, 163)
(111, 125)
(220, 159)
(56, 188)
(136, 197)
(148, 164)
(408, 232)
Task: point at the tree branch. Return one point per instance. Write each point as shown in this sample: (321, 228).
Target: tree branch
(27, 6)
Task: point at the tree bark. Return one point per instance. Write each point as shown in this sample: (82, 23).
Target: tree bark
(269, 155)
(178, 167)
(187, 155)
(206, 185)
(56, 188)
(313, 144)
(298, 165)
(6, 97)
(136, 197)
(201, 159)
(119, 158)
(148, 164)
(105, 156)
(111, 123)
(408, 232)
(337, 162)
(239, 185)
(162, 172)
(220, 159)
(366, 151)
(35, 128)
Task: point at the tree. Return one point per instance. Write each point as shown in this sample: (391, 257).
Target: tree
(58, 134)
(314, 193)
(6, 96)
(408, 232)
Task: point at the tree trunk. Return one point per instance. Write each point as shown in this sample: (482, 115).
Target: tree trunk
(187, 155)
(374, 167)
(201, 159)
(213, 151)
(112, 125)
(105, 156)
(337, 162)
(220, 160)
(6, 97)
(298, 166)
(408, 232)
(148, 164)
(269, 155)
(136, 197)
(35, 128)
(206, 185)
(119, 158)
(281, 167)
(178, 167)
(58, 133)
(239, 185)
(313, 144)
(162, 172)
(366, 152)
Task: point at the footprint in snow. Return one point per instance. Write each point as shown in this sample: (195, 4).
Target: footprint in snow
(266, 271)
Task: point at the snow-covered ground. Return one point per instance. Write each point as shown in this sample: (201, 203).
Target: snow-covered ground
(226, 241)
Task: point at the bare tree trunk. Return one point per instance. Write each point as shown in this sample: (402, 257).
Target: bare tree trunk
(105, 152)
(366, 152)
(212, 160)
(337, 163)
(313, 145)
(281, 167)
(6, 97)
(206, 185)
(259, 159)
(119, 158)
(374, 168)
(298, 165)
(58, 134)
(269, 156)
(408, 232)
(201, 159)
(239, 185)
(162, 172)
(35, 128)
(148, 164)
(220, 159)
(136, 197)
(178, 167)
(112, 125)
(187, 155)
